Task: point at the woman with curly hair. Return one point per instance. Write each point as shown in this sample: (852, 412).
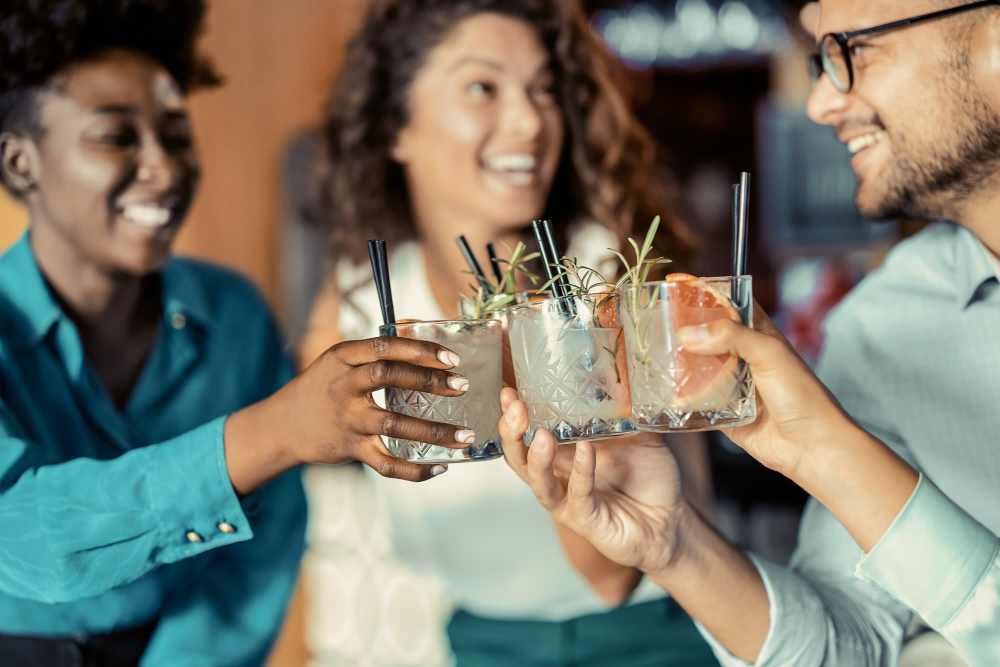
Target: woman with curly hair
(474, 117)
(148, 515)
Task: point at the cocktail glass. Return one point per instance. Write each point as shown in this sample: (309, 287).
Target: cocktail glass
(479, 344)
(569, 362)
(676, 390)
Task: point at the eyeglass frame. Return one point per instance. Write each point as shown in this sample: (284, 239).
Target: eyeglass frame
(816, 68)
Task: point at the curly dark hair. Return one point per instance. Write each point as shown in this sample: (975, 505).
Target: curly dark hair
(40, 38)
(606, 172)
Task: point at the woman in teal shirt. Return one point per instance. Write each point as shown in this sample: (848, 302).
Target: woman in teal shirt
(146, 514)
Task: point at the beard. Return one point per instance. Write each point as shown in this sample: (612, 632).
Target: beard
(930, 181)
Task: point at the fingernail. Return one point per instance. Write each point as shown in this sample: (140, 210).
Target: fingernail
(449, 358)
(693, 334)
(438, 470)
(465, 437)
(510, 417)
(458, 383)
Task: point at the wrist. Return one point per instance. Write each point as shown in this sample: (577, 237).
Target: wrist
(825, 461)
(677, 551)
(255, 453)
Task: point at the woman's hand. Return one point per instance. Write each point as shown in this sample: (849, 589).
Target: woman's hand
(795, 412)
(622, 497)
(327, 414)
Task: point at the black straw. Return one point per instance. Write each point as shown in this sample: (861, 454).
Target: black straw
(742, 222)
(380, 272)
(470, 259)
(491, 251)
(553, 267)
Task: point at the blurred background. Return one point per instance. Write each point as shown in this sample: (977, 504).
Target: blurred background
(721, 84)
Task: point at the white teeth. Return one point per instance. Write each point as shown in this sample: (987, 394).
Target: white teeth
(146, 215)
(858, 144)
(514, 162)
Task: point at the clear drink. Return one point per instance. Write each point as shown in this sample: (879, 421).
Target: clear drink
(569, 361)
(675, 390)
(479, 344)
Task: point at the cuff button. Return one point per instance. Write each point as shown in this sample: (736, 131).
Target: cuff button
(226, 527)
(193, 537)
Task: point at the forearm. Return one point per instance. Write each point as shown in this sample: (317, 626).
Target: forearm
(612, 582)
(860, 480)
(91, 525)
(255, 454)
(718, 586)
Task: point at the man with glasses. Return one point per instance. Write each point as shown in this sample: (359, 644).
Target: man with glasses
(912, 89)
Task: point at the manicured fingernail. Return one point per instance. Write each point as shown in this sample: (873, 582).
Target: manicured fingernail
(510, 417)
(449, 358)
(693, 334)
(465, 437)
(458, 383)
(438, 470)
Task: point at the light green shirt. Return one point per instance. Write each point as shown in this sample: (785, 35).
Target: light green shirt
(913, 353)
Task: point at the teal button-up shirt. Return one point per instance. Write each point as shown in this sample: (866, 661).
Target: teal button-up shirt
(110, 518)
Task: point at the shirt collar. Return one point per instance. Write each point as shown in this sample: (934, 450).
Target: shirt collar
(28, 310)
(973, 267)
(184, 295)
(27, 307)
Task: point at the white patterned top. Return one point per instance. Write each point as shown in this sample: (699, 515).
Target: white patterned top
(389, 561)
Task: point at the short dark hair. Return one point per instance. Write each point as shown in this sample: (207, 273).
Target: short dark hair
(40, 38)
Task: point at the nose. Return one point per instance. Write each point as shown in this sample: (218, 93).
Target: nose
(158, 168)
(826, 104)
(523, 117)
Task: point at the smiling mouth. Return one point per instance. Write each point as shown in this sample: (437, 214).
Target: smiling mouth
(148, 216)
(864, 141)
(515, 168)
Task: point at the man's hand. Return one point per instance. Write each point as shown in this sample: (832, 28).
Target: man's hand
(621, 495)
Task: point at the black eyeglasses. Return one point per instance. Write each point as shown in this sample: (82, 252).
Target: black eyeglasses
(834, 55)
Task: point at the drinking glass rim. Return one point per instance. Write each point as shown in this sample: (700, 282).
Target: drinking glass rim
(655, 283)
(406, 323)
(557, 299)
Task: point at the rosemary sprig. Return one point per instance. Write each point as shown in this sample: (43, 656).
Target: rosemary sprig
(482, 303)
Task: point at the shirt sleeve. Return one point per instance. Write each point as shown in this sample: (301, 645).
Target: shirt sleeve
(230, 612)
(64, 537)
(946, 566)
(232, 609)
(821, 613)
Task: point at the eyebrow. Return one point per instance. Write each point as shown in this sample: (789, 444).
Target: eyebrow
(492, 64)
(128, 110)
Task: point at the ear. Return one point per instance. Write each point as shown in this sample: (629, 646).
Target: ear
(19, 162)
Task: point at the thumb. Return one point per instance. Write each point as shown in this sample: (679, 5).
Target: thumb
(763, 351)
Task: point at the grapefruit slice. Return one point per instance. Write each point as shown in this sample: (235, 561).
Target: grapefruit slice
(703, 382)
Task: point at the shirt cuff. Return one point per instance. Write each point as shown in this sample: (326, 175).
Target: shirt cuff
(194, 498)
(791, 611)
(932, 557)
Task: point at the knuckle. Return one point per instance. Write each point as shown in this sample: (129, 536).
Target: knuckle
(379, 372)
(389, 423)
(386, 468)
(379, 346)
(440, 432)
(429, 380)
